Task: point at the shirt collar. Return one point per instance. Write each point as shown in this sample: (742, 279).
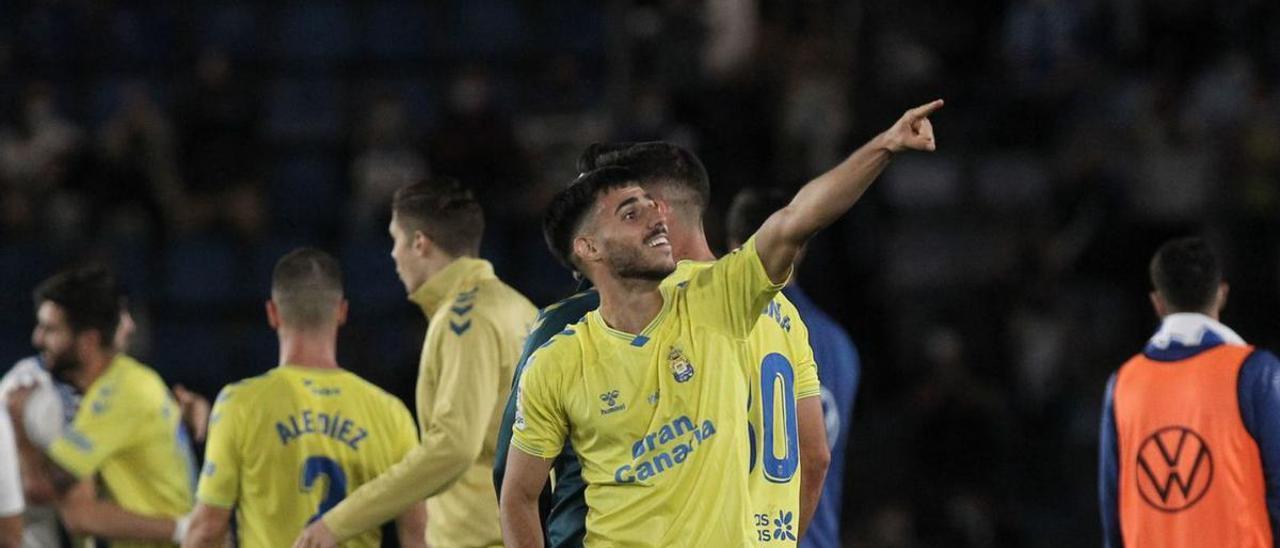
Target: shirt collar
(450, 281)
(1187, 333)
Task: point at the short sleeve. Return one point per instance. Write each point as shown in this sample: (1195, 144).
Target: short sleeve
(806, 367)
(541, 426)
(103, 426)
(220, 478)
(732, 292)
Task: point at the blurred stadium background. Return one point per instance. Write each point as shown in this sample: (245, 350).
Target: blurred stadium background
(991, 287)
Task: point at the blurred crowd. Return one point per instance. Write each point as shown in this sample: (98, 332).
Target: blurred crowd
(991, 287)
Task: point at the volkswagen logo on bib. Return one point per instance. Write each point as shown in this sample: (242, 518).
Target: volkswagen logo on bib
(1175, 469)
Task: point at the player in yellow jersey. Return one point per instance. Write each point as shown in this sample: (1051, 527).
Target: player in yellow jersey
(786, 475)
(289, 444)
(127, 432)
(476, 328)
(650, 387)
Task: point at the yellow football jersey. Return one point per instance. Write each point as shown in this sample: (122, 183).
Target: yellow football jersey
(657, 419)
(129, 431)
(783, 372)
(287, 445)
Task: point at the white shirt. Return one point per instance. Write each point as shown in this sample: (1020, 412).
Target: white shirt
(11, 503)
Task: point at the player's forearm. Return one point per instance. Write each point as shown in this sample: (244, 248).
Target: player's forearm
(423, 473)
(813, 476)
(521, 526)
(106, 520)
(411, 526)
(36, 486)
(206, 533)
(11, 531)
(818, 204)
(815, 457)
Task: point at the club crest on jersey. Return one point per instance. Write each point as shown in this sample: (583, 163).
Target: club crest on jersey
(610, 400)
(681, 369)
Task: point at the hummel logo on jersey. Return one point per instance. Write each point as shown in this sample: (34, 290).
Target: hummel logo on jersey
(681, 369)
(610, 399)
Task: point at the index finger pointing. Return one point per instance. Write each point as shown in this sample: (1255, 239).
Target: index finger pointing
(926, 109)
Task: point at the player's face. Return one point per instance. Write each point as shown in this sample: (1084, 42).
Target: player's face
(631, 229)
(54, 338)
(402, 253)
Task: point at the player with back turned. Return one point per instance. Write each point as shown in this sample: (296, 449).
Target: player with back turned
(476, 326)
(653, 386)
(287, 445)
(1190, 436)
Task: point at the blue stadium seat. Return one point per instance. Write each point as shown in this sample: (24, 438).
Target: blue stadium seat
(371, 281)
(305, 194)
(131, 260)
(399, 30)
(576, 26)
(305, 110)
(314, 32)
(233, 28)
(195, 354)
(1013, 183)
(261, 261)
(140, 38)
(485, 27)
(200, 270)
(22, 267)
(924, 183)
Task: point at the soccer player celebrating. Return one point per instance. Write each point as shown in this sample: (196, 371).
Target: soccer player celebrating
(476, 326)
(285, 446)
(1190, 437)
(653, 386)
(675, 177)
(838, 369)
(128, 430)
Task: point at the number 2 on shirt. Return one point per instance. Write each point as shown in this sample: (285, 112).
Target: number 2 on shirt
(777, 369)
(315, 467)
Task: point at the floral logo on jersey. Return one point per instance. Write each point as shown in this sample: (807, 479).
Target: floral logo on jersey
(782, 526)
(1175, 469)
(610, 400)
(681, 369)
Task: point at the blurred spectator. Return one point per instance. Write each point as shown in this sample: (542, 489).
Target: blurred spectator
(476, 142)
(218, 117)
(139, 167)
(385, 159)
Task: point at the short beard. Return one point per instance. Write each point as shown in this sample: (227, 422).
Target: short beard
(628, 264)
(62, 366)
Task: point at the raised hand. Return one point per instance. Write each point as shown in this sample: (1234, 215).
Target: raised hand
(913, 131)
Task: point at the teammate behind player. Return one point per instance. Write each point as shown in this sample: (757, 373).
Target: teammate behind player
(287, 445)
(838, 369)
(1190, 437)
(675, 177)
(477, 324)
(128, 432)
(650, 386)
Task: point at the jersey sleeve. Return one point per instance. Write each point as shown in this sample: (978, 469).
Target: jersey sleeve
(540, 426)
(220, 478)
(731, 294)
(1109, 471)
(469, 371)
(102, 427)
(802, 358)
(1259, 394)
(405, 432)
(11, 503)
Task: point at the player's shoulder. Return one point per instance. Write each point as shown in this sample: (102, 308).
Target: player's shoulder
(562, 349)
(136, 377)
(496, 294)
(246, 389)
(371, 391)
